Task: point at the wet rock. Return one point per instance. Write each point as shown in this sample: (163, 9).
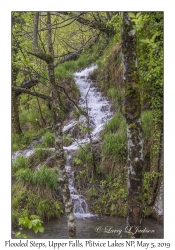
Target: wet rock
(104, 108)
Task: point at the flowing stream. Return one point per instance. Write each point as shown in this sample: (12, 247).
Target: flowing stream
(98, 112)
(89, 225)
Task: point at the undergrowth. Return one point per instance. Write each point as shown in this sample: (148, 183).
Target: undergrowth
(34, 191)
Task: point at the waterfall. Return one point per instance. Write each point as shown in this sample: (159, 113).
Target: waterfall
(99, 113)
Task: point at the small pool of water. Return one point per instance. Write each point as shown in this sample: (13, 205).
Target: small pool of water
(96, 228)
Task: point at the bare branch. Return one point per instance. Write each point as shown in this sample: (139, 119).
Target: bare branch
(20, 90)
(71, 56)
(96, 24)
(81, 111)
(38, 53)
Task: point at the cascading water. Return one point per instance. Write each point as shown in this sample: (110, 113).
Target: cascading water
(98, 106)
(98, 112)
(79, 202)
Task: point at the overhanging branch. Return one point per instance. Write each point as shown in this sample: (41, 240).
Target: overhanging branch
(69, 57)
(19, 90)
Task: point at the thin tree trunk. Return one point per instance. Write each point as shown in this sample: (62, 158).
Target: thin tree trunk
(134, 128)
(15, 114)
(42, 118)
(56, 108)
(60, 160)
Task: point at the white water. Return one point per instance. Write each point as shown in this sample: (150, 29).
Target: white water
(98, 107)
(99, 113)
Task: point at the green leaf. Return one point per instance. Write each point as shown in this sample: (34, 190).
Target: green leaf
(153, 45)
(35, 229)
(34, 217)
(20, 235)
(112, 207)
(24, 236)
(138, 15)
(30, 225)
(27, 221)
(153, 38)
(41, 229)
(131, 14)
(17, 235)
(21, 221)
(145, 40)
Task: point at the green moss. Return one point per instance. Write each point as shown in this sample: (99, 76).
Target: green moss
(136, 114)
(133, 126)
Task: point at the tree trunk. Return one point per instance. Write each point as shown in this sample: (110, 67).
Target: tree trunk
(59, 151)
(59, 154)
(134, 128)
(15, 115)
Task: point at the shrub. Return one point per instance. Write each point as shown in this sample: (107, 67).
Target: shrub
(29, 199)
(48, 208)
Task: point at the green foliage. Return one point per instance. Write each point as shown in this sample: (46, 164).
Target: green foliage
(110, 197)
(148, 180)
(91, 193)
(29, 116)
(43, 208)
(68, 68)
(116, 22)
(48, 139)
(116, 95)
(65, 70)
(43, 177)
(114, 124)
(115, 145)
(42, 154)
(112, 93)
(28, 199)
(83, 155)
(34, 223)
(150, 61)
(84, 159)
(24, 175)
(21, 141)
(147, 124)
(67, 140)
(20, 162)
